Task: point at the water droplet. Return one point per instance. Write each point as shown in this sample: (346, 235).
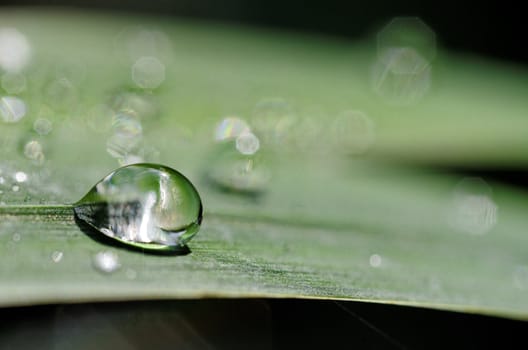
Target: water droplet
(143, 205)
(13, 83)
(148, 72)
(42, 126)
(15, 50)
(15, 188)
(12, 109)
(56, 256)
(33, 151)
(106, 261)
(375, 260)
(231, 170)
(20, 176)
(16, 237)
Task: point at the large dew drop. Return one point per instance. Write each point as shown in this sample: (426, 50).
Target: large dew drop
(143, 205)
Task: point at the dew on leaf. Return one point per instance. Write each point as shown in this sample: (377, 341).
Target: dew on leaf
(232, 170)
(106, 262)
(147, 206)
(20, 176)
(56, 256)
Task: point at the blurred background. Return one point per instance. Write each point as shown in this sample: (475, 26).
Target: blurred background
(490, 29)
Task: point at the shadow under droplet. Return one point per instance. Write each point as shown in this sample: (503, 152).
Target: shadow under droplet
(99, 237)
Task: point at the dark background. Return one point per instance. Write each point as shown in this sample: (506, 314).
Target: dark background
(493, 30)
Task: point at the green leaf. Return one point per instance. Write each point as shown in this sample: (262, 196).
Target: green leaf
(327, 225)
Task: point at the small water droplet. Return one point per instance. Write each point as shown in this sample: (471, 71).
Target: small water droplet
(33, 151)
(16, 237)
(20, 176)
(147, 206)
(231, 170)
(15, 188)
(375, 260)
(106, 261)
(56, 256)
